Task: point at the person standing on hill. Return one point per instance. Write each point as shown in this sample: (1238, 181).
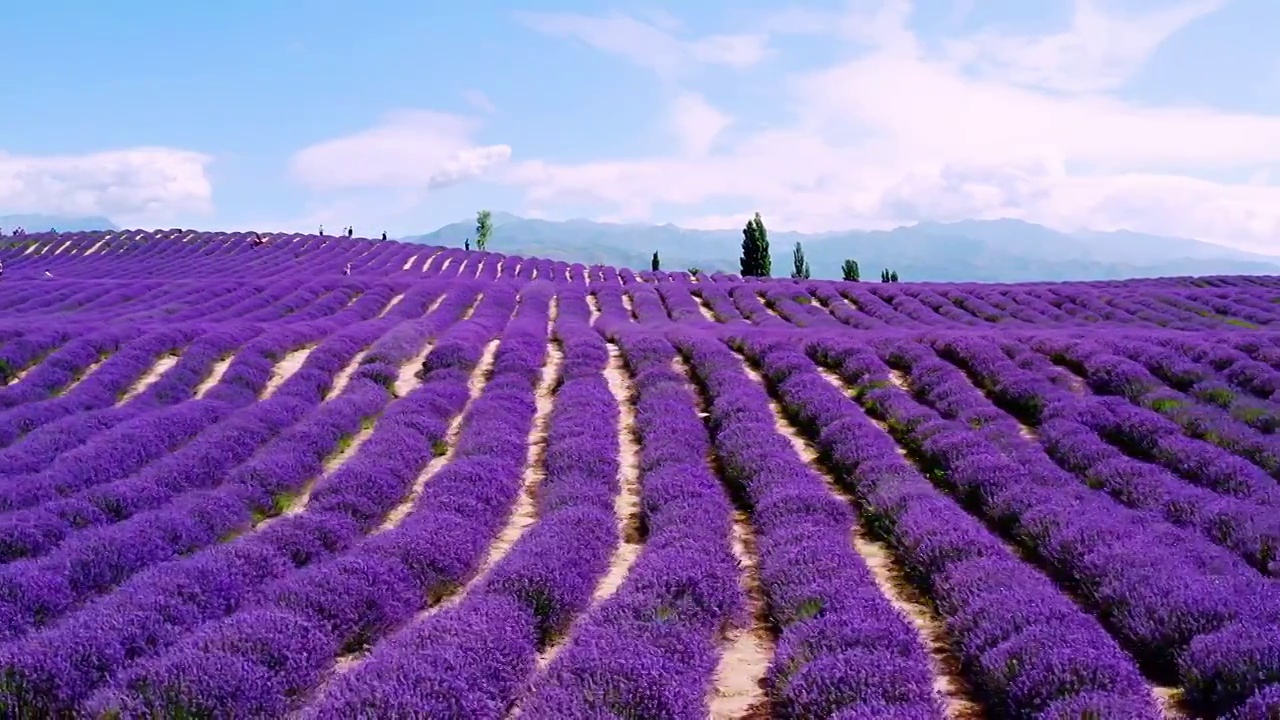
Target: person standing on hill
(347, 270)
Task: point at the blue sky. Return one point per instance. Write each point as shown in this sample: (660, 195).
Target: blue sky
(1154, 115)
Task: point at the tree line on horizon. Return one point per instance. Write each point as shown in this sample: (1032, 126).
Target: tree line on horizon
(754, 262)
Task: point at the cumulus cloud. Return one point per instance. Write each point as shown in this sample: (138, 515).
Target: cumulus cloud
(993, 125)
(128, 186)
(417, 149)
(696, 124)
(649, 45)
(1100, 51)
(479, 101)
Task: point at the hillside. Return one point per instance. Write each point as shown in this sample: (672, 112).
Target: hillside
(975, 251)
(325, 478)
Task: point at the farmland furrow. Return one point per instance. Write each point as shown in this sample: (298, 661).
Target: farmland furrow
(761, 462)
(626, 506)
(390, 305)
(609, 662)
(215, 376)
(444, 452)
(1067, 435)
(739, 689)
(313, 599)
(747, 498)
(343, 378)
(525, 512)
(285, 368)
(959, 700)
(151, 377)
(1139, 546)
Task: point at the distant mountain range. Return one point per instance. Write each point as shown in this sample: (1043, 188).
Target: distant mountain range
(970, 250)
(42, 223)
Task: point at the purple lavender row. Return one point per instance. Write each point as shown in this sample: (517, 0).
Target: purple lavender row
(156, 422)
(45, 444)
(1150, 436)
(173, 597)
(1243, 427)
(1218, 388)
(470, 660)
(342, 605)
(795, 304)
(300, 297)
(1242, 527)
(1252, 371)
(1167, 603)
(64, 366)
(680, 303)
(841, 310)
(201, 464)
(650, 649)
(1026, 647)
(37, 591)
(748, 303)
(819, 592)
(648, 305)
(141, 435)
(20, 353)
(103, 388)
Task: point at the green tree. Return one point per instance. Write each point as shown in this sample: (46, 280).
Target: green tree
(850, 271)
(893, 276)
(801, 270)
(655, 264)
(884, 275)
(466, 244)
(755, 260)
(484, 228)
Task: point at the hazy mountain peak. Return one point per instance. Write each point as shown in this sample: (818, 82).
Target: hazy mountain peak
(65, 223)
(1001, 250)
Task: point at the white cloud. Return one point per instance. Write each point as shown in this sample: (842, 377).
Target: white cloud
(696, 124)
(985, 126)
(479, 101)
(648, 45)
(415, 149)
(1100, 51)
(134, 186)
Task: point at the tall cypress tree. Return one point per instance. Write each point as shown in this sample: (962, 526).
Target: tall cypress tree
(655, 264)
(801, 266)
(850, 271)
(750, 261)
(755, 260)
(484, 228)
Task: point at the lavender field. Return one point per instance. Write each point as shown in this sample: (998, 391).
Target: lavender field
(238, 483)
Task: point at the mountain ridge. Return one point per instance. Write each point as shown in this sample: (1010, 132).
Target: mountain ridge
(1004, 250)
(36, 222)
